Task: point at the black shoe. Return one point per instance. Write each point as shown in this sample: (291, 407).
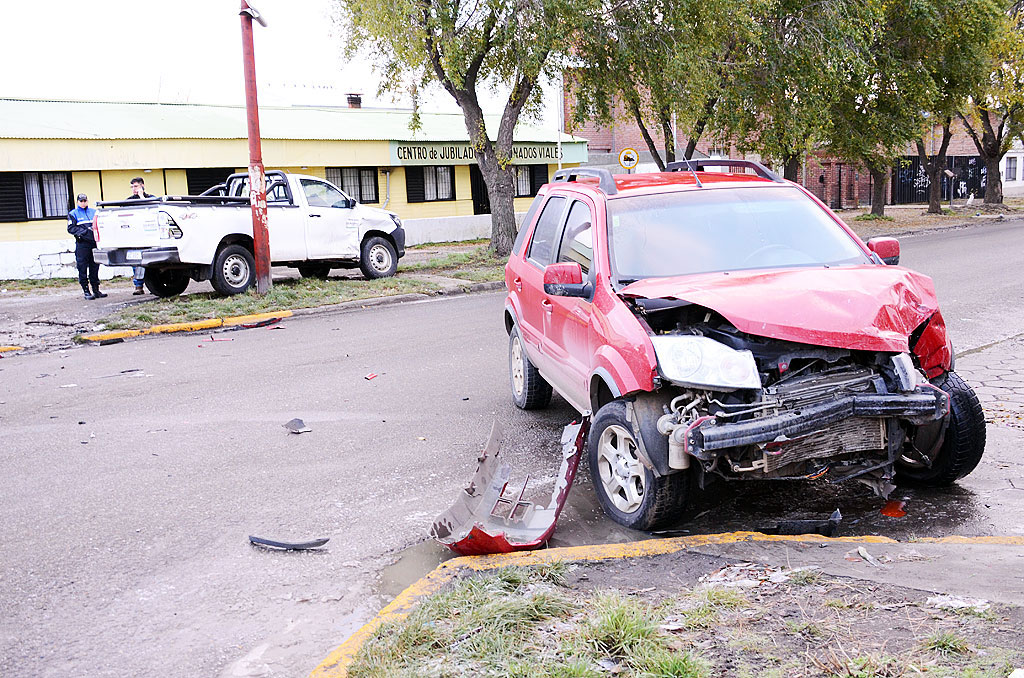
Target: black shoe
(88, 296)
(98, 295)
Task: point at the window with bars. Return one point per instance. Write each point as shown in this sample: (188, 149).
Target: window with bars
(358, 182)
(529, 178)
(34, 195)
(431, 183)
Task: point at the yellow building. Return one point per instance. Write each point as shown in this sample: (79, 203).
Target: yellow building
(52, 150)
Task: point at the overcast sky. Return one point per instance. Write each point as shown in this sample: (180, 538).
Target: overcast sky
(183, 51)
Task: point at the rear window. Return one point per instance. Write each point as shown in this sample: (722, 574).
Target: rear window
(707, 230)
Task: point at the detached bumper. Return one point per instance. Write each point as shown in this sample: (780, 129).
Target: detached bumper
(920, 406)
(128, 256)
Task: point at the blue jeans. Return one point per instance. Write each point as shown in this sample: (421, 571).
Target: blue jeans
(138, 273)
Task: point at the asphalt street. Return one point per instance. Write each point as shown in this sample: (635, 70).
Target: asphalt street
(131, 475)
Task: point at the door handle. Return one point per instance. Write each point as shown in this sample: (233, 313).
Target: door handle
(315, 215)
(547, 306)
(518, 282)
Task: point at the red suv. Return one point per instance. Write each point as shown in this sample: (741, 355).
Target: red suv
(723, 323)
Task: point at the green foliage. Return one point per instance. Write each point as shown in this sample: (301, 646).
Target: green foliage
(946, 643)
(873, 217)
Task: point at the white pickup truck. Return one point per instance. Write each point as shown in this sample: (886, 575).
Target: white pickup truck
(313, 226)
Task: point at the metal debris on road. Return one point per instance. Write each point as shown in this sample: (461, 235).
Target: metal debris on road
(287, 545)
(371, 375)
(826, 528)
(297, 426)
(487, 519)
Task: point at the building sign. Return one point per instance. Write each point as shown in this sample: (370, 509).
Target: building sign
(462, 153)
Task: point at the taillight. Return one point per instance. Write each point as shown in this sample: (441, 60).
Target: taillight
(96, 229)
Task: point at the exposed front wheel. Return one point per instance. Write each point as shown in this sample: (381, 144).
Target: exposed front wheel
(529, 390)
(378, 258)
(166, 282)
(234, 270)
(629, 492)
(942, 459)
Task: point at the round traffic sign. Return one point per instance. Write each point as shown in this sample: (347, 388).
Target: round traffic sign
(629, 158)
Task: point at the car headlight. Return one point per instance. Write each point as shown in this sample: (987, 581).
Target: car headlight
(700, 361)
(394, 218)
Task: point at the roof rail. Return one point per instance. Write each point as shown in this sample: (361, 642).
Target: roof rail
(605, 180)
(694, 165)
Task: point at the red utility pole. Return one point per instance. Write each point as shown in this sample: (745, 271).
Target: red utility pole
(257, 180)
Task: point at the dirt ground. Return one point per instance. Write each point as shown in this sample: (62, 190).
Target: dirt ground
(800, 623)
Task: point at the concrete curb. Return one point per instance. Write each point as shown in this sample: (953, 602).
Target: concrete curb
(214, 323)
(335, 665)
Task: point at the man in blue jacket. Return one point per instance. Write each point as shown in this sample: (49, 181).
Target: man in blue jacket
(80, 226)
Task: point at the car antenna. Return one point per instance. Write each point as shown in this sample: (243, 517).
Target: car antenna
(694, 173)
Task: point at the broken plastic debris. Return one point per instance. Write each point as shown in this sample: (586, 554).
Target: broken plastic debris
(262, 323)
(486, 519)
(287, 545)
(863, 553)
(371, 375)
(108, 342)
(213, 338)
(894, 509)
(297, 426)
(950, 602)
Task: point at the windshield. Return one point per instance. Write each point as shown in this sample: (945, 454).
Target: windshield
(709, 230)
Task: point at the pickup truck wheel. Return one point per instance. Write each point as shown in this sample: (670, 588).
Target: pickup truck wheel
(378, 258)
(962, 445)
(166, 282)
(629, 492)
(318, 271)
(529, 390)
(234, 270)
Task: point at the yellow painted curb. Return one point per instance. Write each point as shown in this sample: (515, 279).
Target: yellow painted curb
(193, 326)
(4, 349)
(336, 663)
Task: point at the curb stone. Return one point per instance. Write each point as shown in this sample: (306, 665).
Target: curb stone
(215, 323)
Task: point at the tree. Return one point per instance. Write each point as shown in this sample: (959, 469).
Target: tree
(465, 45)
(994, 113)
(667, 63)
(958, 62)
(877, 110)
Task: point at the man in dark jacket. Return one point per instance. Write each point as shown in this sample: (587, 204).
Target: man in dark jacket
(138, 272)
(80, 226)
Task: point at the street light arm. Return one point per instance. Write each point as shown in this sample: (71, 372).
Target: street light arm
(254, 14)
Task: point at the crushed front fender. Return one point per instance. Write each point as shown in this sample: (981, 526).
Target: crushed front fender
(489, 517)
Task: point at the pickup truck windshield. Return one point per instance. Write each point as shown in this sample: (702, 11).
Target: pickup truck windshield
(710, 230)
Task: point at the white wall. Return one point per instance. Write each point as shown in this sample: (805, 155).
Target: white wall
(1015, 186)
(42, 259)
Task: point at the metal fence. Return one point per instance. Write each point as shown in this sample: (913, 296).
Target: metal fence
(910, 183)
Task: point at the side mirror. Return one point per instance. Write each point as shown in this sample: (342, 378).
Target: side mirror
(887, 249)
(565, 280)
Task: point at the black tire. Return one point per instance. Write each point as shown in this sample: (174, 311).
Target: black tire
(166, 282)
(377, 258)
(234, 270)
(962, 445)
(318, 271)
(530, 391)
(629, 492)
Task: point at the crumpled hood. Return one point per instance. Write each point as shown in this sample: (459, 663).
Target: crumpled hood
(867, 308)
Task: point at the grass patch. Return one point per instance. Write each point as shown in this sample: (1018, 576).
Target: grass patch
(873, 217)
(805, 577)
(286, 294)
(946, 643)
(459, 243)
(37, 284)
(478, 265)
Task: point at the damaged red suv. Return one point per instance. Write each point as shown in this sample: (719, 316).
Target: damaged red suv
(726, 323)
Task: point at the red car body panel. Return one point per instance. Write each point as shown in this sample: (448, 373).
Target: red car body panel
(866, 308)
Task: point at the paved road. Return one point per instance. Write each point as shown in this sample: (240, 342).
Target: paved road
(131, 475)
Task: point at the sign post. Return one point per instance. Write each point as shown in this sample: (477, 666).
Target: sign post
(257, 179)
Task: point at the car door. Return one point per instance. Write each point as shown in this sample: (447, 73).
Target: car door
(332, 227)
(286, 223)
(540, 252)
(567, 334)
